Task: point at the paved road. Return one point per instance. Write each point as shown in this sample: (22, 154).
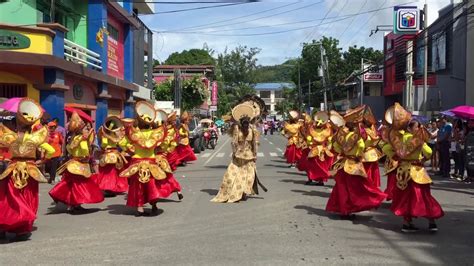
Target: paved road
(286, 226)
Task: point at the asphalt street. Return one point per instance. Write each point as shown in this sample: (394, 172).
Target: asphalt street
(285, 226)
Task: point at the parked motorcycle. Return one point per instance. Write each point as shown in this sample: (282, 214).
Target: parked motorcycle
(210, 139)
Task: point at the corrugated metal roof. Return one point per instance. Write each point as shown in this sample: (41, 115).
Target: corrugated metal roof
(273, 86)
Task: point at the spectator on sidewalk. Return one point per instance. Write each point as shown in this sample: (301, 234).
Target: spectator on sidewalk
(459, 136)
(56, 140)
(443, 141)
(433, 130)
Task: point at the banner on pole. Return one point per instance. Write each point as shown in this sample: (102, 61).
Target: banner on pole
(214, 93)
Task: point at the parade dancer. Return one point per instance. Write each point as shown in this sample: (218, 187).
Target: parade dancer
(111, 161)
(320, 157)
(19, 182)
(171, 141)
(372, 154)
(411, 194)
(76, 186)
(304, 134)
(353, 191)
(184, 150)
(240, 179)
(146, 169)
(291, 129)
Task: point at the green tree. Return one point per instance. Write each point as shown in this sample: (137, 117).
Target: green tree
(194, 93)
(236, 74)
(290, 102)
(191, 57)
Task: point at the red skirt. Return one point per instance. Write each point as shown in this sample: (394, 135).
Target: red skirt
(391, 184)
(292, 154)
(303, 161)
(140, 193)
(373, 172)
(318, 170)
(168, 186)
(415, 201)
(172, 159)
(75, 190)
(353, 194)
(108, 179)
(185, 154)
(18, 206)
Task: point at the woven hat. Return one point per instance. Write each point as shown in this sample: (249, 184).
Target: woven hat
(360, 114)
(172, 117)
(161, 116)
(243, 110)
(113, 124)
(397, 117)
(293, 114)
(29, 111)
(145, 112)
(75, 123)
(336, 119)
(321, 116)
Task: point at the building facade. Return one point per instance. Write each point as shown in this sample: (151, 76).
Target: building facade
(272, 94)
(83, 54)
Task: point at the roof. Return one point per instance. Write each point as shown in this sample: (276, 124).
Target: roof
(273, 86)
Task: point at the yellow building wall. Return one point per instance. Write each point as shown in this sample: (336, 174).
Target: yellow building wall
(40, 43)
(6, 77)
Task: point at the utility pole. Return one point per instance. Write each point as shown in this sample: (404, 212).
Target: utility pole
(409, 77)
(362, 81)
(322, 52)
(177, 89)
(425, 67)
(309, 95)
(299, 87)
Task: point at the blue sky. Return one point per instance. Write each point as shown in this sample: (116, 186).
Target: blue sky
(297, 21)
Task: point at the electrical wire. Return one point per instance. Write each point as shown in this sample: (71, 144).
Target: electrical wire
(352, 21)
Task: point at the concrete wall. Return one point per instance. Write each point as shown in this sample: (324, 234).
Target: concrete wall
(470, 55)
(377, 104)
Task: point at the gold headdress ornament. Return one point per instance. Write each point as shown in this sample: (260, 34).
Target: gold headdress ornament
(113, 128)
(336, 119)
(307, 118)
(75, 122)
(29, 111)
(243, 110)
(293, 114)
(321, 117)
(161, 117)
(397, 117)
(185, 116)
(145, 112)
(172, 117)
(360, 114)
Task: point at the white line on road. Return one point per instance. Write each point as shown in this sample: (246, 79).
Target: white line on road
(260, 154)
(205, 155)
(220, 155)
(270, 142)
(214, 154)
(280, 150)
(273, 154)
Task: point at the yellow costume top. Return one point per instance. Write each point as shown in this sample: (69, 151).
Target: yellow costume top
(109, 143)
(169, 144)
(23, 151)
(244, 147)
(408, 165)
(142, 143)
(292, 132)
(371, 152)
(79, 149)
(319, 141)
(184, 135)
(350, 146)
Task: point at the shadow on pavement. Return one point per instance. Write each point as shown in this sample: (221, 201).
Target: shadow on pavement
(169, 200)
(322, 194)
(276, 165)
(211, 192)
(217, 166)
(290, 173)
(279, 161)
(299, 182)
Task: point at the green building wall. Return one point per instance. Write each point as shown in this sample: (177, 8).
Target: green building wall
(20, 12)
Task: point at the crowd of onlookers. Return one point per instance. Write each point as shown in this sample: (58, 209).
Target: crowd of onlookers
(448, 142)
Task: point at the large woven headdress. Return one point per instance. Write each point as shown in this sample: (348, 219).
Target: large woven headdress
(397, 117)
(243, 110)
(145, 112)
(29, 111)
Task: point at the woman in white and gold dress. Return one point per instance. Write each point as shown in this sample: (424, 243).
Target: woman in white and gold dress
(240, 177)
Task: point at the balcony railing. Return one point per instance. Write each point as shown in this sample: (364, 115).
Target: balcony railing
(75, 53)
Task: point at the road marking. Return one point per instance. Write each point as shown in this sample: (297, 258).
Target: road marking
(220, 155)
(215, 153)
(280, 150)
(270, 142)
(205, 155)
(273, 154)
(260, 154)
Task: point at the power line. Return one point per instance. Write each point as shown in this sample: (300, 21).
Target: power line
(310, 35)
(350, 23)
(194, 8)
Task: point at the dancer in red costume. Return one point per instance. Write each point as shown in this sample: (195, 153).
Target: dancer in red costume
(76, 186)
(146, 170)
(291, 129)
(304, 133)
(184, 150)
(171, 141)
(411, 195)
(19, 182)
(320, 157)
(353, 191)
(112, 161)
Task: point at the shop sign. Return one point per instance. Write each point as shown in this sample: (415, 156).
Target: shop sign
(13, 40)
(214, 93)
(373, 74)
(406, 20)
